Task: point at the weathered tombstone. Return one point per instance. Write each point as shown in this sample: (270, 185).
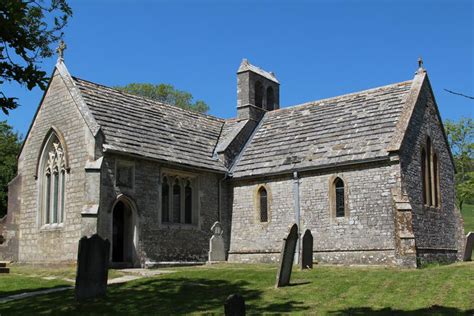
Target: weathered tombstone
(92, 267)
(307, 250)
(287, 256)
(216, 243)
(234, 305)
(469, 246)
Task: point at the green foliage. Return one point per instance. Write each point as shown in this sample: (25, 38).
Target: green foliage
(27, 30)
(10, 143)
(437, 290)
(166, 93)
(468, 216)
(460, 136)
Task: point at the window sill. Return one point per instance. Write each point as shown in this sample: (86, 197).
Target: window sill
(52, 227)
(179, 226)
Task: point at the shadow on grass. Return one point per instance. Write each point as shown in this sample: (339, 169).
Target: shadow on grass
(153, 296)
(433, 310)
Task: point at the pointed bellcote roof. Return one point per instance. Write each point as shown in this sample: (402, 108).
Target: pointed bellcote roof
(245, 65)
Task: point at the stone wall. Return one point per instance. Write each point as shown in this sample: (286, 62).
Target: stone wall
(365, 235)
(156, 241)
(437, 230)
(38, 244)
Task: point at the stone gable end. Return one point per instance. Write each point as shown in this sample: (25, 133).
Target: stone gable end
(58, 109)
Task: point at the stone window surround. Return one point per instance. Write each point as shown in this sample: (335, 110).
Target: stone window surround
(126, 163)
(429, 180)
(256, 203)
(61, 167)
(183, 177)
(332, 198)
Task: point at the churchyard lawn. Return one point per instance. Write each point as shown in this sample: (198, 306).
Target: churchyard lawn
(442, 290)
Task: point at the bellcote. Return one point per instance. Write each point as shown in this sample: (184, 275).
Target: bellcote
(258, 91)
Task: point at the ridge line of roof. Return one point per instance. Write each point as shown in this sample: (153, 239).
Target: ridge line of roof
(149, 99)
(340, 96)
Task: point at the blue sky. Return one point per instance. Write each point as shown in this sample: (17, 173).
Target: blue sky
(317, 49)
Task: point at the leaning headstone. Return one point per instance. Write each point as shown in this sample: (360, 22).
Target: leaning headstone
(469, 246)
(287, 256)
(234, 305)
(216, 244)
(307, 250)
(92, 267)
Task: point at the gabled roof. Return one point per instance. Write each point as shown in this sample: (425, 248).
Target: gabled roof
(146, 128)
(346, 129)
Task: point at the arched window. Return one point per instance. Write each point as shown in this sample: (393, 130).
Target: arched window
(52, 175)
(435, 181)
(176, 202)
(270, 99)
(258, 94)
(263, 201)
(165, 201)
(430, 175)
(339, 197)
(188, 203)
(424, 176)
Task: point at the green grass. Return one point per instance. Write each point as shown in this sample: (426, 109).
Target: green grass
(58, 271)
(11, 284)
(468, 216)
(438, 290)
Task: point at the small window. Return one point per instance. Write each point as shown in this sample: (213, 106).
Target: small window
(258, 94)
(165, 201)
(270, 99)
(263, 199)
(339, 197)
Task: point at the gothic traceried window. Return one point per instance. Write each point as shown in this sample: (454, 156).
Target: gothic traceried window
(178, 200)
(53, 181)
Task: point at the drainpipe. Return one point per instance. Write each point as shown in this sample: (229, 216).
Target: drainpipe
(296, 194)
(219, 197)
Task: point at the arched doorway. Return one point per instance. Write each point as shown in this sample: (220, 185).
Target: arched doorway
(123, 234)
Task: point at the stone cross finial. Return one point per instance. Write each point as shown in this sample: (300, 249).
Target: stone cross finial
(60, 50)
(420, 62)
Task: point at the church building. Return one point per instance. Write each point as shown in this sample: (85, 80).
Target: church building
(370, 174)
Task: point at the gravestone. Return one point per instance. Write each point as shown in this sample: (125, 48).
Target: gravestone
(234, 305)
(287, 256)
(216, 243)
(92, 267)
(307, 250)
(469, 246)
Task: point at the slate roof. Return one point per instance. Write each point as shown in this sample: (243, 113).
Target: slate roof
(147, 128)
(231, 129)
(348, 128)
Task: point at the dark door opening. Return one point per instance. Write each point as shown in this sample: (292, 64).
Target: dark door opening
(122, 234)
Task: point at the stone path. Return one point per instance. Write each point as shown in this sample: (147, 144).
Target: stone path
(133, 274)
(35, 293)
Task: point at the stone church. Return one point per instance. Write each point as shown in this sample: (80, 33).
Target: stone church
(369, 173)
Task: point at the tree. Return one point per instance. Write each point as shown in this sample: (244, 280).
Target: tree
(166, 93)
(460, 136)
(27, 30)
(10, 143)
